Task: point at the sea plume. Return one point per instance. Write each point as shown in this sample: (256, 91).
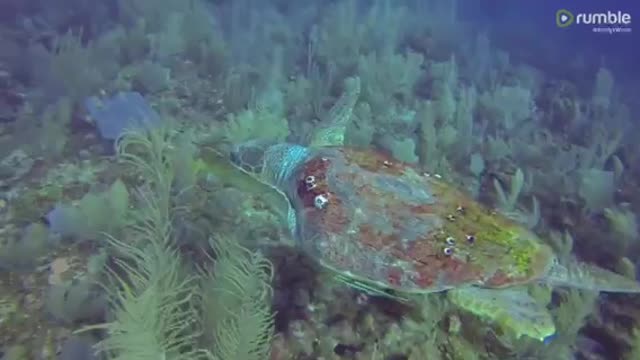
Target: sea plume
(236, 303)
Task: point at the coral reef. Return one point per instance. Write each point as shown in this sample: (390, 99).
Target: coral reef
(124, 229)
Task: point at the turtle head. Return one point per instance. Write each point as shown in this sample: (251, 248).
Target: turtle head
(271, 163)
(249, 156)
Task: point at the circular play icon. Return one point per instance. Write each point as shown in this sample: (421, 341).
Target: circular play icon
(564, 18)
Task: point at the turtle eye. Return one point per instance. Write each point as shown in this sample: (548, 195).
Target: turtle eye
(448, 251)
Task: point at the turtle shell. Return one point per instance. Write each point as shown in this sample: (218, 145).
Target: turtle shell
(385, 224)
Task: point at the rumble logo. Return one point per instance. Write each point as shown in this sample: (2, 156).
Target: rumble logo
(604, 22)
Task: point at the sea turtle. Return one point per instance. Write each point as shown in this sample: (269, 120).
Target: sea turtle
(387, 228)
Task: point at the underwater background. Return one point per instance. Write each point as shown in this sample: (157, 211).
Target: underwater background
(129, 230)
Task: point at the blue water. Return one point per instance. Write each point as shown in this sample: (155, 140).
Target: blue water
(531, 27)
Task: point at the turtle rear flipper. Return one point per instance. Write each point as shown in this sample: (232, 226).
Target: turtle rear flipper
(589, 277)
(511, 308)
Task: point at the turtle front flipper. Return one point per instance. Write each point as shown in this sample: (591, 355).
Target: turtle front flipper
(589, 277)
(332, 131)
(511, 308)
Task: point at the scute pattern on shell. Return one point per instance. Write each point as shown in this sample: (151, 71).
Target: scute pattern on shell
(386, 224)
